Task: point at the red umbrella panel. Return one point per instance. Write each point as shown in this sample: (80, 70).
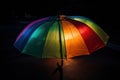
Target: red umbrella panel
(61, 37)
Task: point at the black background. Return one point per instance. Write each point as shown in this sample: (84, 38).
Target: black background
(104, 13)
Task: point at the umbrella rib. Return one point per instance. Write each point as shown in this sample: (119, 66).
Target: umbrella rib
(62, 38)
(61, 54)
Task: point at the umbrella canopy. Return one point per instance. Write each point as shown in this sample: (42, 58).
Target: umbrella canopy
(61, 37)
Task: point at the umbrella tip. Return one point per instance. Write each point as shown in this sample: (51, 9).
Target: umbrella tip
(62, 16)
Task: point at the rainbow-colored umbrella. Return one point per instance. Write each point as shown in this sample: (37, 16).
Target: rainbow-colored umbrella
(61, 37)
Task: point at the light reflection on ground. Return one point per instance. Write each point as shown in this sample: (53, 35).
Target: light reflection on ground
(83, 68)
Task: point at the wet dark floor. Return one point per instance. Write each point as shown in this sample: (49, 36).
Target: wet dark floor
(93, 67)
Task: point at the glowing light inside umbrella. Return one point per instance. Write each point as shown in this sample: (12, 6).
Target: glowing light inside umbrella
(61, 37)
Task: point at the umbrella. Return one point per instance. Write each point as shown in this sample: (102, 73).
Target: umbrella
(61, 37)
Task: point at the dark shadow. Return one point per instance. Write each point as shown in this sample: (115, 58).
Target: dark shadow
(59, 69)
